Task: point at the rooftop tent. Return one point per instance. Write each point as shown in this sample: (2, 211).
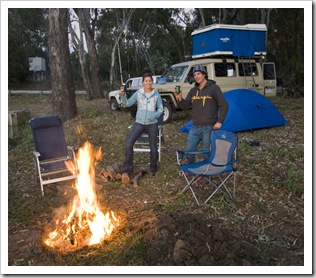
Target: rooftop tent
(248, 110)
(223, 39)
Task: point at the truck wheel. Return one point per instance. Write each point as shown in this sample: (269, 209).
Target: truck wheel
(114, 105)
(167, 112)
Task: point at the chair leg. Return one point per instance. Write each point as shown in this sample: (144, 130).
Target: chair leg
(39, 177)
(227, 193)
(189, 185)
(196, 199)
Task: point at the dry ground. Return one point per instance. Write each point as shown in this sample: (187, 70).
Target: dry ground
(262, 226)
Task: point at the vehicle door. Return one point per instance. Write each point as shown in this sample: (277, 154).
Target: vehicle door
(269, 79)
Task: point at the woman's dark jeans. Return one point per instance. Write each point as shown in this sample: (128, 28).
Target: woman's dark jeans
(136, 131)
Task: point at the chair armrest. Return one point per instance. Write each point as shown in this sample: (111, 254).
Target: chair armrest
(195, 152)
(73, 149)
(181, 154)
(37, 154)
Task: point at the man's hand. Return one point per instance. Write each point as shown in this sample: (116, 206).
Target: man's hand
(177, 95)
(217, 125)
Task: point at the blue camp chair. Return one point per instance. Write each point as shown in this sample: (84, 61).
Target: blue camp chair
(51, 151)
(213, 173)
(142, 143)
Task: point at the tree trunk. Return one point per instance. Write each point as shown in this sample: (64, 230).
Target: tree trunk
(63, 90)
(202, 24)
(94, 66)
(78, 45)
(125, 19)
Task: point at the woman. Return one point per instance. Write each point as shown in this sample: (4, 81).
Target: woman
(149, 108)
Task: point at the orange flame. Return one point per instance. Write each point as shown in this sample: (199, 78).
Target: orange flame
(85, 223)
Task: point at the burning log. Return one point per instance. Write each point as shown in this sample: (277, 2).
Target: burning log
(82, 222)
(71, 235)
(135, 180)
(100, 179)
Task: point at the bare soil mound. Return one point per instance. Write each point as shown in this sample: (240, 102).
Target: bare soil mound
(190, 239)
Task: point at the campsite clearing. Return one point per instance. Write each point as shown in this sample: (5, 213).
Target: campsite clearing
(263, 226)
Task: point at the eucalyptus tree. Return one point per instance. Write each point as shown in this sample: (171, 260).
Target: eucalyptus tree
(87, 25)
(78, 43)
(27, 37)
(63, 90)
(287, 47)
(174, 33)
(112, 25)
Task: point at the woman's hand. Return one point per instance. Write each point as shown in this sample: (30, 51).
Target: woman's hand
(122, 92)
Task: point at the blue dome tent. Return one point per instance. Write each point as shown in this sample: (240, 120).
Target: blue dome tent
(248, 110)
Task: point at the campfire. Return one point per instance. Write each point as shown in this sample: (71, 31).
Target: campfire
(83, 223)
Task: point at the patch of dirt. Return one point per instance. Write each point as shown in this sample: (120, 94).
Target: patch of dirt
(263, 226)
(193, 239)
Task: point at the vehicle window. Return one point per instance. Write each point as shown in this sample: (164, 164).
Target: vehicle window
(268, 72)
(225, 69)
(247, 69)
(175, 74)
(190, 77)
(128, 83)
(138, 82)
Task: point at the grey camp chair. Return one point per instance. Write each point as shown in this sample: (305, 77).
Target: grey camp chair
(142, 143)
(51, 151)
(214, 173)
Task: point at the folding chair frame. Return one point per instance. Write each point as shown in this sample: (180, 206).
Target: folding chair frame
(52, 169)
(222, 176)
(142, 143)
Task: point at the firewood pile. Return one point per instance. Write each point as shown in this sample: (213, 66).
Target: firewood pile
(111, 174)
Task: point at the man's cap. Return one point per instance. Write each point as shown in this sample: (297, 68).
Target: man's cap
(200, 69)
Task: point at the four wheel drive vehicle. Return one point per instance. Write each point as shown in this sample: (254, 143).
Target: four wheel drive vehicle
(135, 82)
(233, 56)
(228, 73)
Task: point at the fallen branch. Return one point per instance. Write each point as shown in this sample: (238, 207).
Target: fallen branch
(135, 180)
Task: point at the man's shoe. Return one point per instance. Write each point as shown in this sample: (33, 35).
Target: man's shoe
(153, 172)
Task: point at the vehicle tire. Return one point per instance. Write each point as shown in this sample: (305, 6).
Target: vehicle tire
(167, 112)
(114, 105)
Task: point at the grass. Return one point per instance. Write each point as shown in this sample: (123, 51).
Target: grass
(269, 198)
(293, 181)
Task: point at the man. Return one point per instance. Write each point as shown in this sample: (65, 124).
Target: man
(209, 109)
